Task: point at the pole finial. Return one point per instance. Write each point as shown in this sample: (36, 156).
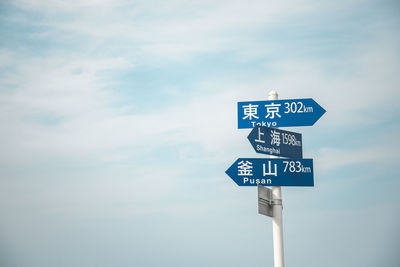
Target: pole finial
(272, 95)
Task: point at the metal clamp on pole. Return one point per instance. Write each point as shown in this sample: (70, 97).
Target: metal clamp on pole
(276, 202)
(270, 201)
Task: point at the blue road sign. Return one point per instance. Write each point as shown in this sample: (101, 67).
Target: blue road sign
(276, 142)
(272, 172)
(279, 113)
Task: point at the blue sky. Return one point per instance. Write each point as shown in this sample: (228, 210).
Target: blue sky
(119, 121)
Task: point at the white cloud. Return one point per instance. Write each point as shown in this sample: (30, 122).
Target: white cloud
(383, 154)
(70, 88)
(174, 30)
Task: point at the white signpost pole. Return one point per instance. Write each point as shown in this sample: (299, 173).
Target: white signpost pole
(277, 228)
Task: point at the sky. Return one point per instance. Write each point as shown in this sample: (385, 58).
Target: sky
(119, 121)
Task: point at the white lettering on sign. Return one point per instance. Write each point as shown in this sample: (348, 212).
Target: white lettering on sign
(290, 139)
(263, 123)
(275, 138)
(295, 166)
(250, 111)
(272, 110)
(256, 181)
(297, 107)
(259, 136)
(270, 150)
(245, 168)
(270, 172)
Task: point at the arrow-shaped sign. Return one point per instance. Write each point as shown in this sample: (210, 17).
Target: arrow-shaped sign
(279, 113)
(276, 142)
(272, 172)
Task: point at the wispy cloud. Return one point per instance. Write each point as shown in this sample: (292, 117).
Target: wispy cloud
(333, 158)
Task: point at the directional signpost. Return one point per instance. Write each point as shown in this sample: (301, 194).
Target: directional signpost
(276, 142)
(272, 172)
(279, 113)
(264, 117)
